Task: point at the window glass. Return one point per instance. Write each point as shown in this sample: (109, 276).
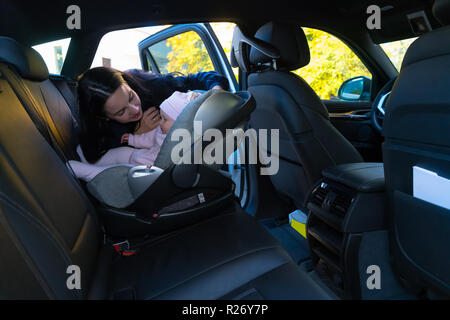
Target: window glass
(224, 32)
(332, 62)
(396, 50)
(54, 54)
(119, 49)
(185, 53)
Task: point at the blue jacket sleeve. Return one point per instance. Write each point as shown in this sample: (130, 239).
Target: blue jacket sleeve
(204, 81)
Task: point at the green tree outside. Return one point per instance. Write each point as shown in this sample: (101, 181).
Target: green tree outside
(332, 61)
(396, 51)
(188, 54)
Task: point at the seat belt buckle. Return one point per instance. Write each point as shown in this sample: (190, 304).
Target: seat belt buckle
(123, 248)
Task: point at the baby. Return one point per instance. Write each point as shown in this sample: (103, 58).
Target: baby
(148, 144)
(169, 110)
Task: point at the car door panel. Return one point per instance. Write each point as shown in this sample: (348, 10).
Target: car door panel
(341, 106)
(352, 120)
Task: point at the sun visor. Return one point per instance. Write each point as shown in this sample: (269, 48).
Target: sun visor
(400, 24)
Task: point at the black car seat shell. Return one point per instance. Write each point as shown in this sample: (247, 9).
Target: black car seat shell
(416, 130)
(309, 142)
(48, 224)
(213, 110)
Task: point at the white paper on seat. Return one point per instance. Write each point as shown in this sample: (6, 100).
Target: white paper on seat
(430, 187)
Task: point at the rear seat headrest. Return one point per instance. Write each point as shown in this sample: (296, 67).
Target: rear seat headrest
(441, 11)
(289, 39)
(27, 61)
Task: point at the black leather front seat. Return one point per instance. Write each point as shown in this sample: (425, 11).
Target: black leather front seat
(309, 142)
(417, 133)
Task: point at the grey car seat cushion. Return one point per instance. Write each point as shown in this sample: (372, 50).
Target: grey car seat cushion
(111, 187)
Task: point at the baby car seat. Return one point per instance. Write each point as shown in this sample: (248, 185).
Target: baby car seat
(169, 193)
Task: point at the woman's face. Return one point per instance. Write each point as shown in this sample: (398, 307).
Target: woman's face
(123, 105)
(166, 122)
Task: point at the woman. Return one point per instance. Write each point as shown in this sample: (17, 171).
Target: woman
(113, 103)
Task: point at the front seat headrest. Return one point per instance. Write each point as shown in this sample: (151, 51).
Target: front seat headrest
(430, 45)
(289, 39)
(240, 48)
(27, 61)
(441, 11)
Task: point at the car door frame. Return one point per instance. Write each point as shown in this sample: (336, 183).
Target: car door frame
(204, 30)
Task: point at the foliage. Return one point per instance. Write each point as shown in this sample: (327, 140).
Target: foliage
(224, 32)
(332, 62)
(188, 54)
(396, 51)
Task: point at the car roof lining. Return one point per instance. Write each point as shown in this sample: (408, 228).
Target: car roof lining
(44, 21)
(98, 19)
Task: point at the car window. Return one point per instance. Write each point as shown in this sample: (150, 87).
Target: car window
(119, 49)
(54, 54)
(185, 53)
(332, 62)
(396, 50)
(224, 32)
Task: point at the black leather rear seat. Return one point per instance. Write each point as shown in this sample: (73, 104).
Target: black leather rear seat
(68, 89)
(47, 222)
(43, 102)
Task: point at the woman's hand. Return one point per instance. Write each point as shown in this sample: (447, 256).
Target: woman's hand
(217, 87)
(150, 120)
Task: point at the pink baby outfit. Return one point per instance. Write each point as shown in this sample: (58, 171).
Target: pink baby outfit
(148, 145)
(150, 142)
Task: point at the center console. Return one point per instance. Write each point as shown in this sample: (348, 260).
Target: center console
(346, 209)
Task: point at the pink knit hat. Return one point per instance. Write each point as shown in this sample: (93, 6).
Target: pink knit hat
(173, 105)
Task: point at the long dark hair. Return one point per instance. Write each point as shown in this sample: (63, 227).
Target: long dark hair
(94, 88)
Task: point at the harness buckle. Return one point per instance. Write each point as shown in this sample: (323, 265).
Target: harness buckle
(123, 248)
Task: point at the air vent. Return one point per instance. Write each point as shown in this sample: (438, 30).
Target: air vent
(319, 194)
(341, 203)
(328, 206)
